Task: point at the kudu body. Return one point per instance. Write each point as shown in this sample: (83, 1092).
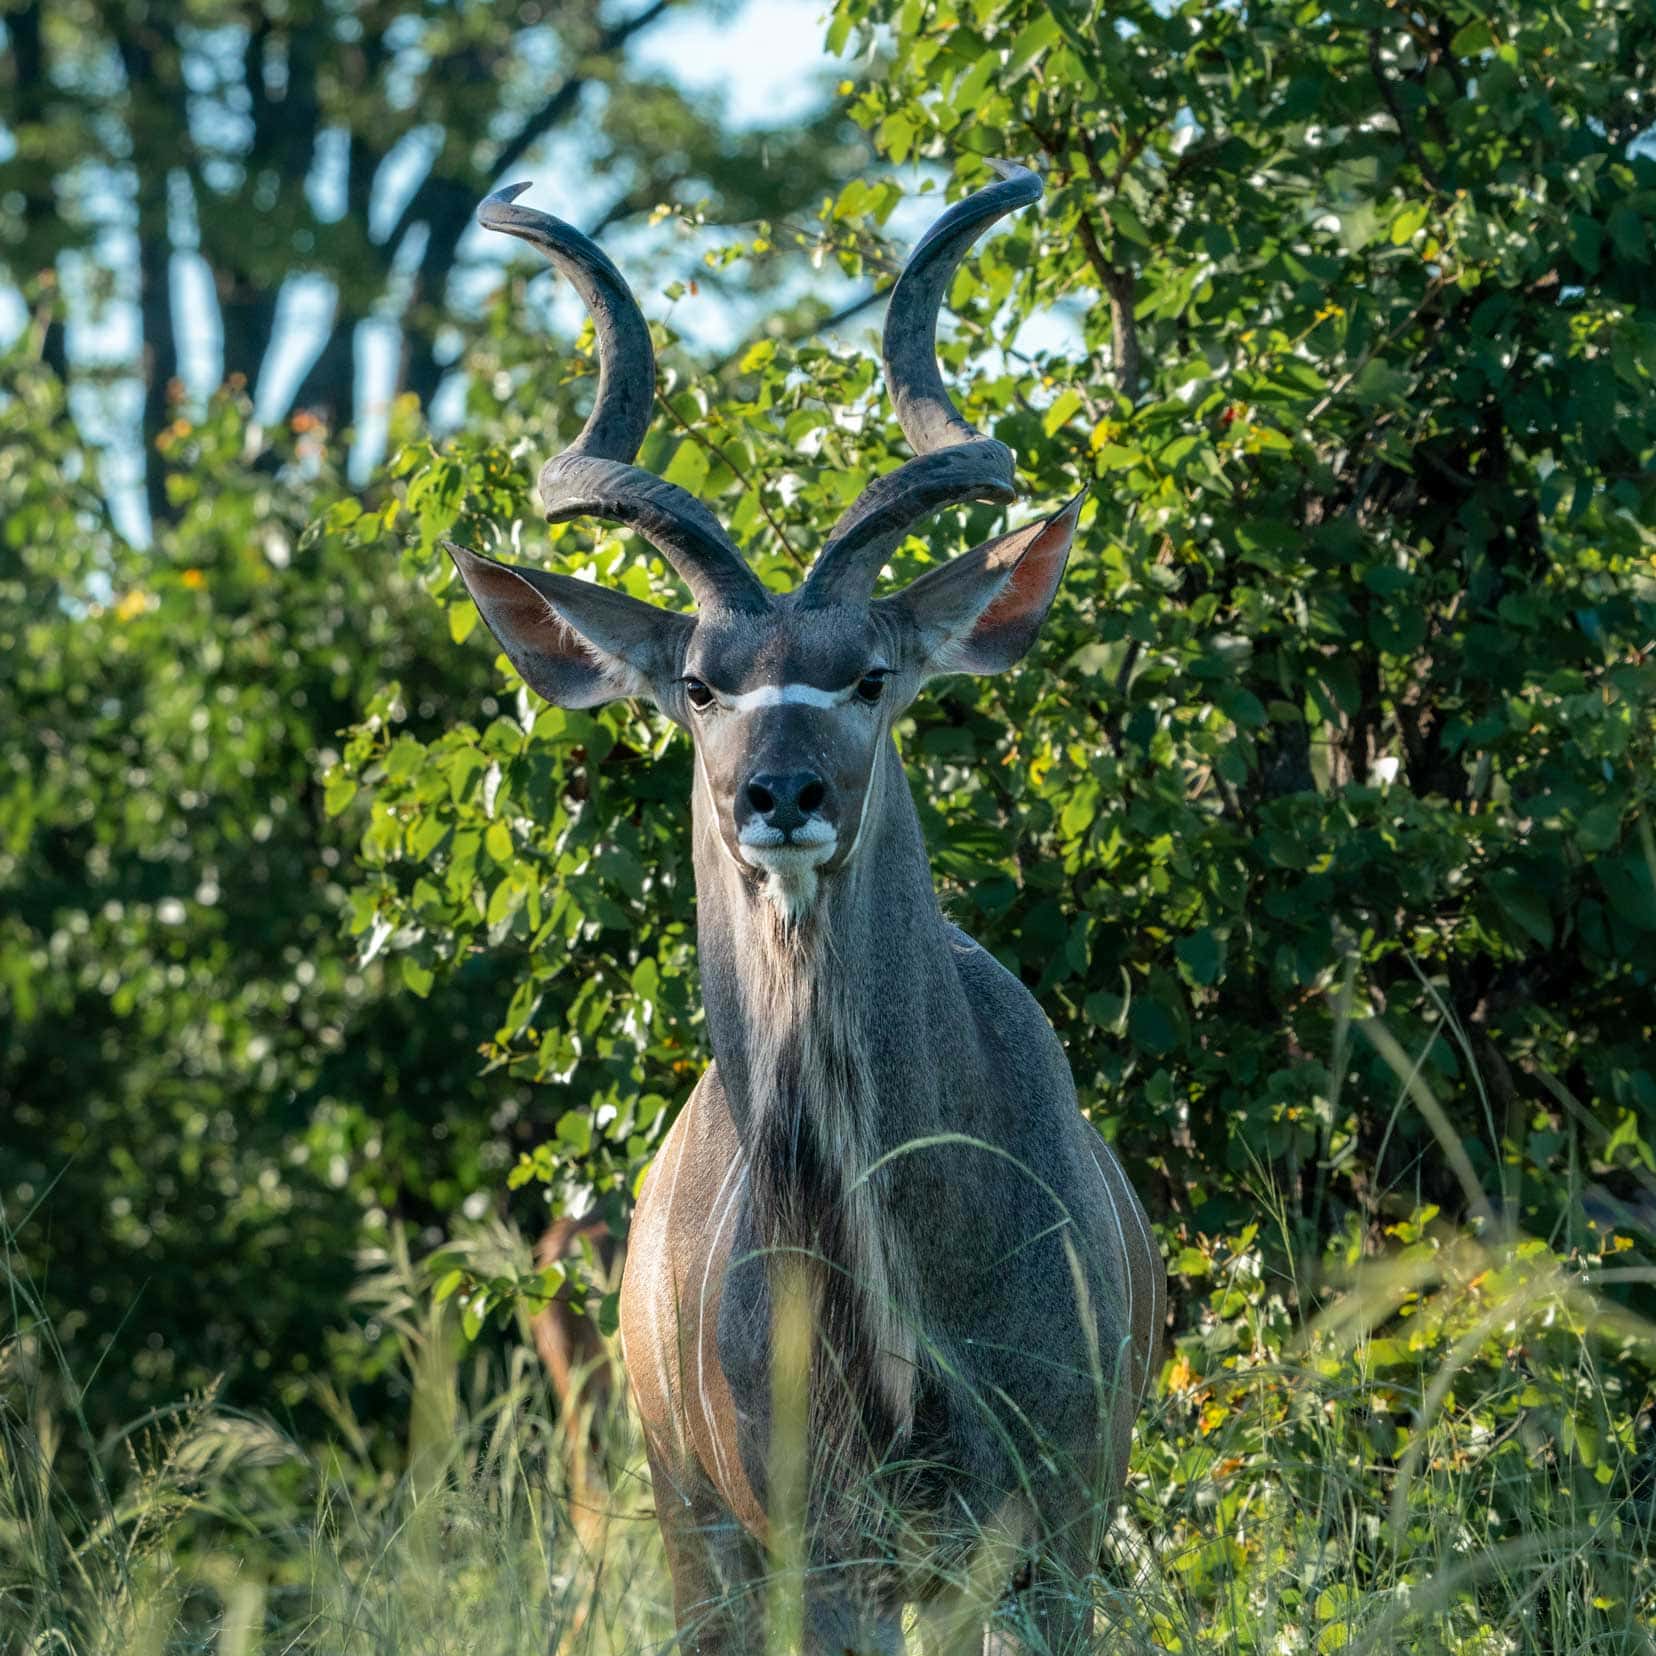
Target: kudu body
(889, 1128)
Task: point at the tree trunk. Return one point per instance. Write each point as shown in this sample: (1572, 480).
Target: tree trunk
(448, 205)
(328, 389)
(42, 225)
(247, 317)
(155, 117)
(158, 354)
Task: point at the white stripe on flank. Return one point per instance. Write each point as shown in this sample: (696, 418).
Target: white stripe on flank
(1150, 1252)
(668, 1396)
(1121, 1235)
(785, 695)
(701, 1319)
(1157, 1272)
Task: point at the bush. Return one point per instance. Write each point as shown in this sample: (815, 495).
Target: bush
(209, 1103)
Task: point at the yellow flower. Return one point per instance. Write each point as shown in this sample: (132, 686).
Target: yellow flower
(193, 579)
(131, 604)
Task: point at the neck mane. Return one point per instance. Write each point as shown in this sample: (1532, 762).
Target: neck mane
(821, 1029)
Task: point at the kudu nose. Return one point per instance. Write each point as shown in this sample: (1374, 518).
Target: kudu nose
(786, 799)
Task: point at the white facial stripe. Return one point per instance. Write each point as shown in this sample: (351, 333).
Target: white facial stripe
(862, 809)
(786, 695)
(712, 806)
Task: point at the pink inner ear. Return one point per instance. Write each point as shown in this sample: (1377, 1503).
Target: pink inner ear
(1034, 578)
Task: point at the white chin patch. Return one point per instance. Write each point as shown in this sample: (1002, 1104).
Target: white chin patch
(790, 874)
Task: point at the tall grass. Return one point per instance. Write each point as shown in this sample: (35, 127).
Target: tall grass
(1444, 1450)
(209, 1530)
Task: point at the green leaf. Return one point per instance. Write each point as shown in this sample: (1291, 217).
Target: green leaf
(896, 136)
(1033, 39)
(425, 835)
(575, 1130)
(1628, 882)
(1600, 827)
(689, 466)
(1408, 222)
(1199, 955)
(1113, 457)
(462, 618)
(1127, 221)
(1472, 38)
(1064, 408)
(1524, 905)
(504, 901)
(1150, 1027)
(975, 82)
(609, 1314)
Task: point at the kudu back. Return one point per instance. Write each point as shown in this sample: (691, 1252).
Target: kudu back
(888, 1129)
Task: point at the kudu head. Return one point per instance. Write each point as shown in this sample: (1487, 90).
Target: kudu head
(788, 698)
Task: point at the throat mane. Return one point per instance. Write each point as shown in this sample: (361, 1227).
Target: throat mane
(813, 1112)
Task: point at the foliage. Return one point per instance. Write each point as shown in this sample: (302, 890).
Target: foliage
(210, 1529)
(209, 1104)
(1438, 1460)
(293, 147)
(1346, 691)
(1446, 1454)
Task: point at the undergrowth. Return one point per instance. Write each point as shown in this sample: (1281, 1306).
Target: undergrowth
(1447, 1448)
(1448, 1456)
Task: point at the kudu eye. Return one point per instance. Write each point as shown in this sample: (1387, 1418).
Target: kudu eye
(697, 693)
(871, 686)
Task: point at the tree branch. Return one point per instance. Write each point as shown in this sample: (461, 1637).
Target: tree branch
(556, 108)
(1388, 92)
(742, 477)
(1119, 286)
(1118, 282)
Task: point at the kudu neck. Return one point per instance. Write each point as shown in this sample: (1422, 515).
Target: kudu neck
(860, 982)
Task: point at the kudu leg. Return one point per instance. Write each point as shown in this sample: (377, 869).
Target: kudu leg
(1052, 1616)
(951, 1625)
(717, 1567)
(836, 1626)
(1052, 1612)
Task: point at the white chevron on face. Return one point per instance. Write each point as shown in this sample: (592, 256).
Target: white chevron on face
(785, 695)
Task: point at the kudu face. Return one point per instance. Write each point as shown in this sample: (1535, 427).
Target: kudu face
(788, 698)
(787, 714)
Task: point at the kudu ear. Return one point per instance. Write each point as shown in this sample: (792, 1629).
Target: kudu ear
(575, 643)
(980, 612)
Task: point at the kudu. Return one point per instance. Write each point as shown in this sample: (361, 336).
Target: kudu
(889, 1126)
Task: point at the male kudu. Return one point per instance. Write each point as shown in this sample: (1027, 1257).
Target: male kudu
(889, 1123)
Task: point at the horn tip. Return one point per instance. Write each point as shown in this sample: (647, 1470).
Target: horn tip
(1032, 187)
(490, 212)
